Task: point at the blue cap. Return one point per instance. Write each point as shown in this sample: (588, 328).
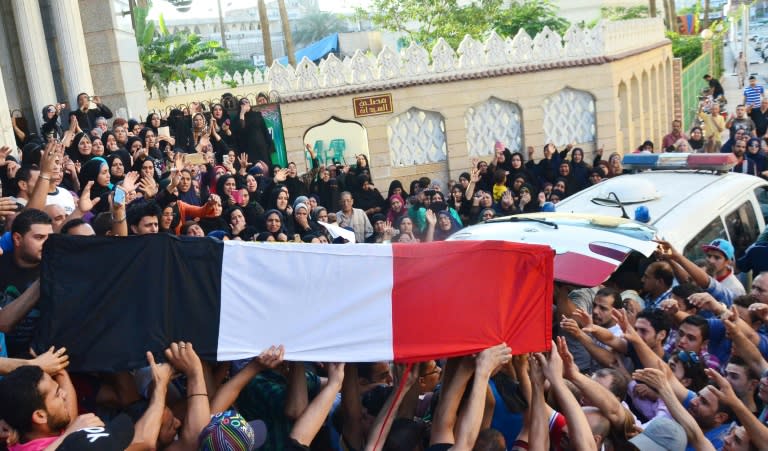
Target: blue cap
(642, 214)
(548, 207)
(721, 245)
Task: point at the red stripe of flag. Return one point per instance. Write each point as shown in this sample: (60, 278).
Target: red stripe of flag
(478, 294)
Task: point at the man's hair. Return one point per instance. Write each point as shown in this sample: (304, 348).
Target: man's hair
(619, 382)
(344, 193)
(738, 361)
(626, 280)
(698, 321)
(490, 440)
(22, 175)
(143, 210)
(404, 434)
(663, 271)
(27, 218)
(102, 223)
(745, 300)
(20, 397)
(684, 290)
(71, 224)
(611, 293)
(659, 320)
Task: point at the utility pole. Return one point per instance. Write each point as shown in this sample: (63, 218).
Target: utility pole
(265, 35)
(287, 33)
(221, 26)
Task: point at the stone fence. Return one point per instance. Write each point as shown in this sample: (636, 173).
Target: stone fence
(416, 65)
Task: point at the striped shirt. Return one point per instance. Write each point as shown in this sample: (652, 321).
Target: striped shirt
(753, 95)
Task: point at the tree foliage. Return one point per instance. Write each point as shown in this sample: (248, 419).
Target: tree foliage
(686, 47)
(166, 57)
(426, 21)
(316, 25)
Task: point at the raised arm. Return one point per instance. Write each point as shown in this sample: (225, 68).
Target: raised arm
(603, 356)
(228, 393)
(381, 427)
(756, 430)
(599, 396)
(15, 311)
(468, 428)
(184, 358)
(538, 411)
(457, 375)
(579, 431)
(307, 425)
(655, 378)
(147, 428)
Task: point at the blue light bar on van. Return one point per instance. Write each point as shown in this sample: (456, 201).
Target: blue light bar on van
(720, 162)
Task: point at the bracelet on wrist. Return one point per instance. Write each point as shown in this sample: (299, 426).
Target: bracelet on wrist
(117, 221)
(44, 177)
(197, 394)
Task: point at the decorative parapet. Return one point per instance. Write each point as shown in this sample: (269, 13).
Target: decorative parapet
(415, 65)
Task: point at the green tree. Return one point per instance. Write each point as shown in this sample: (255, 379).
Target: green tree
(317, 25)
(166, 57)
(425, 22)
(624, 13)
(227, 63)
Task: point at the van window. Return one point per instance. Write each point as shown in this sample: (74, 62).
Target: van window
(742, 227)
(761, 194)
(712, 231)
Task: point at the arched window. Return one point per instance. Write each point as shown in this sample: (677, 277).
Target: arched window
(417, 137)
(569, 116)
(491, 121)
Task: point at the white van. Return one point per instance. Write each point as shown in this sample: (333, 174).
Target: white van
(691, 199)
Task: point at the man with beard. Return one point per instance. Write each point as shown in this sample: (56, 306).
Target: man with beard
(19, 273)
(743, 165)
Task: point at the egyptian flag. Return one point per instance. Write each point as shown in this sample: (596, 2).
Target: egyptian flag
(109, 300)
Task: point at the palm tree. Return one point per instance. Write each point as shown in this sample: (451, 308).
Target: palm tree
(652, 8)
(705, 25)
(287, 33)
(317, 25)
(166, 57)
(266, 37)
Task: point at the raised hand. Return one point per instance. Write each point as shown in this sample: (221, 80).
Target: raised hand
(86, 204)
(431, 218)
(7, 206)
(129, 181)
(148, 186)
(724, 390)
(4, 152)
(51, 361)
(493, 357)
(161, 373)
(570, 369)
(183, 357)
(669, 306)
(272, 357)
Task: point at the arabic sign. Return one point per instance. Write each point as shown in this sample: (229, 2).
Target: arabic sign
(372, 105)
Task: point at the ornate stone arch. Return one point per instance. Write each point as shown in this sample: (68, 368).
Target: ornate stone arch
(490, 121)
(569, 116)
(417, 136)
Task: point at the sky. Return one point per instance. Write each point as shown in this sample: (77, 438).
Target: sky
(206, 8)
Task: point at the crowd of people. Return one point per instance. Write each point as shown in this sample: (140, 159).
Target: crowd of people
(666, 354)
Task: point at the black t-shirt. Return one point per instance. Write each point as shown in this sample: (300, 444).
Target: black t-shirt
(717, 88)
(13, 282)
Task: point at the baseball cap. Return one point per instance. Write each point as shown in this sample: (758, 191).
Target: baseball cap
(721, 245)
(116, 436)
(661, 434)
(228, 431)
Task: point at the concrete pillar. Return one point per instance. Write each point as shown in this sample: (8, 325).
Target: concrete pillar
(72, 51)
(34, 54)
(6, 128)
(113, 57)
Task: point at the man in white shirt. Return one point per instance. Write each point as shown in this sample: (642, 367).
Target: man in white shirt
(721, 254)
(353, 218)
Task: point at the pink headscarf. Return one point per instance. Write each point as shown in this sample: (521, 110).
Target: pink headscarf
(393, 216)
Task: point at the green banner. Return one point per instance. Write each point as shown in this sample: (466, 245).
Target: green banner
(274, 122)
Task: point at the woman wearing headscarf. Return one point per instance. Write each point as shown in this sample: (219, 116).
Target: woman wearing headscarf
(368, 197)
(51, 128)
(279, 201)
(79, 150)
(756, 153)
(579, 169)
(362, 166)
(110, 142)
(326, 188)
(253, 135)
(96, 170)
(396, 208)
(225, 186)
(446, 226)
(118, 167)
(518, 169)
(274, 229)
(303, 224)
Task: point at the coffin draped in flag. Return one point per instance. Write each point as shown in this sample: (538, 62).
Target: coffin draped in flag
(109, 300)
